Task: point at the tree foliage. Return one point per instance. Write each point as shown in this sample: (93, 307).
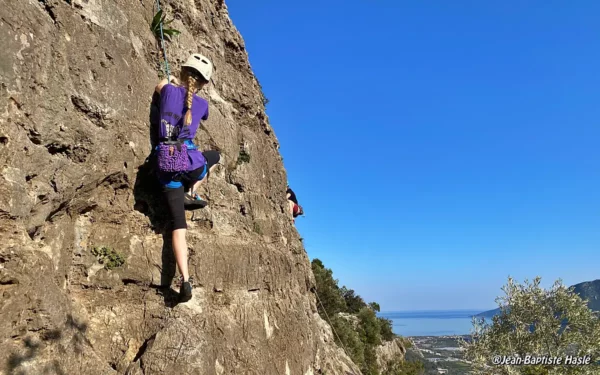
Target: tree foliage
(537, 322)
(350, 339)
(405, 368)
(374, 306)
(386, 329)
(353, 301)
(358, 328)
(329, 293)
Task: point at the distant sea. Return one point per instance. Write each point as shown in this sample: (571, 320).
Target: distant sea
(431, 323)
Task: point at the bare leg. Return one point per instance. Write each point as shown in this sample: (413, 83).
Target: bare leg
(180, 250)
(195, 186)
(291, 207)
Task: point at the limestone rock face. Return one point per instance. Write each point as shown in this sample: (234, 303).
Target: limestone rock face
(389, 351)
(76, 108)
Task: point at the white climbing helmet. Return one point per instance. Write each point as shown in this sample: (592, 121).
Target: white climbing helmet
(201, 64)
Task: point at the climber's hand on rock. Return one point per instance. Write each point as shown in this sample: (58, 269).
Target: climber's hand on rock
(160, 85)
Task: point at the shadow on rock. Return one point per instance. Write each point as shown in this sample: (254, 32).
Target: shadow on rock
(33, 345)
(169, 267)
(170, 296)
(149, 201)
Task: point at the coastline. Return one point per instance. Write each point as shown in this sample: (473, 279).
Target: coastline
(441, 323)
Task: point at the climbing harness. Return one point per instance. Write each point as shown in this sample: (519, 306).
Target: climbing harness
(162, 45)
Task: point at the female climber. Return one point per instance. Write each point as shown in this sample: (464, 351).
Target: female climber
(181, 111)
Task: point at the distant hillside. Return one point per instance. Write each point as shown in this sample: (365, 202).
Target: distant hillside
(488, 314)
(588, 290)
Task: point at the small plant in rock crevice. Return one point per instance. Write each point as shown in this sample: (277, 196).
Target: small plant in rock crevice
(108, 256)
(244, 157)
(155, 26)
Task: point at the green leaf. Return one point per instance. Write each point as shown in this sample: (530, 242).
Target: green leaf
(156, 20)
(171, 32)
(157, 17)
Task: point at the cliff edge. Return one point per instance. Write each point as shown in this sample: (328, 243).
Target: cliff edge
(85, 255)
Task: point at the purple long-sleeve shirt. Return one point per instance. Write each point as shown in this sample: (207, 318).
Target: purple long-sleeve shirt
(172, 112)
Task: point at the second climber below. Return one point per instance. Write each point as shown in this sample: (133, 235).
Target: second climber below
(181, 111)
(295, 209)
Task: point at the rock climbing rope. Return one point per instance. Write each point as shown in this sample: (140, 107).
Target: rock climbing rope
(331, 325)
(162, 46)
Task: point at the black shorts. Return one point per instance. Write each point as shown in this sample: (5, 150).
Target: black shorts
(188, 179)
(175, 196)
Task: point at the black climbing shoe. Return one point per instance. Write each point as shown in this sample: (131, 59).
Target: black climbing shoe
(185, 291)
(193, 203)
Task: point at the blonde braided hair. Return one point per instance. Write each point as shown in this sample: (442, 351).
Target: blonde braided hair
(191, 86)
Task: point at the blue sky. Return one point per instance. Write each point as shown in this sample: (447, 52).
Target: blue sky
(437, 147)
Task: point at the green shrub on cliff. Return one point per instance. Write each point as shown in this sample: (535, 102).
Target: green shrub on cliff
(332, 300)
(359, 330)
(350, 338)
(353, 302)
(407, 367)
(386, 330)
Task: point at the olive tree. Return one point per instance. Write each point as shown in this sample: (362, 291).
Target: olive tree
(534, 322)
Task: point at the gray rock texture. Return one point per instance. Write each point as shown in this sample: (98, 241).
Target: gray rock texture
(76, 94)
(390, 351)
